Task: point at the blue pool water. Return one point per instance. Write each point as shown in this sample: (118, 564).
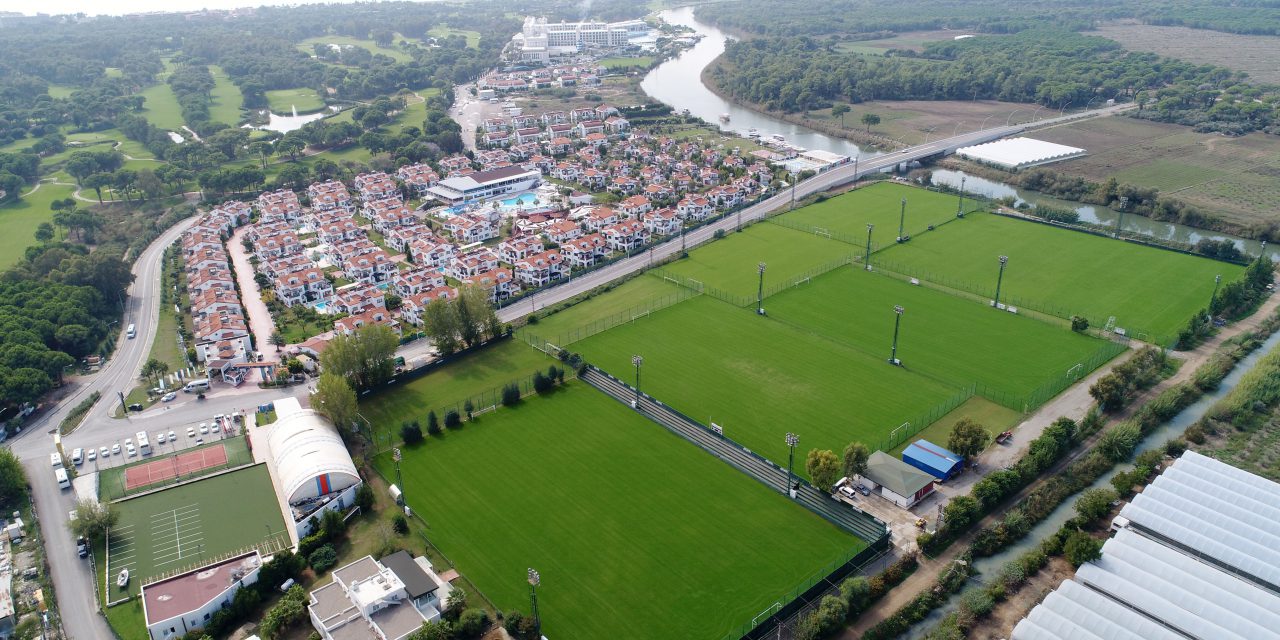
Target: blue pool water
(524, 198)
(321, 306)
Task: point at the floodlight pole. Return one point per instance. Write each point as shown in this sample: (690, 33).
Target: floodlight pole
(395, 455)
(1217, 280)
(855, 168)
(792, 441)
(534, 581)
(637, 361)
(960, 203)
(760, 291)
(866, 260)
(1004, 260)
(897, 322)
(902, 221)
(794, 180)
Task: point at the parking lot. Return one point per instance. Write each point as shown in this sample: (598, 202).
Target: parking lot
(167, 440)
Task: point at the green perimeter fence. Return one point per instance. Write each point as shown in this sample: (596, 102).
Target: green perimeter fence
(1028, 402)
(788, 282)
(111, 482)
(630, 314)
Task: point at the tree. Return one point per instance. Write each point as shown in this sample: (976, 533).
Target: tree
(1110, 392)
(366, 357)
(323, 558)
(13, 480)
(823, 467)
(411, 433)
(855, 459)
(44, 232)
(93, 519)
(960, 512)
(839, 111)
(452, 419)
(1095, 503)
(1117, 443)
(290, 146)
(433, 423)
(335, 400)
(1080, 548)
(277, 340)
(153, 369)
(871, 120)
(262, 149)
(96, 182)
(968, 438)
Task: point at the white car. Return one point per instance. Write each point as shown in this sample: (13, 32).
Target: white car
(204, 429)
(131, 451)
(92, 455)
(77, 456)
(168, 397)
(191, 432)
(104, 452)
(115, 448)
(199, 441)
(128, 442)
(172, 438)
(159, 437)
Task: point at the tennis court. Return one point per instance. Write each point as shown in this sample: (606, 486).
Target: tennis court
(115, 483)
(174, 530)
(181, 464)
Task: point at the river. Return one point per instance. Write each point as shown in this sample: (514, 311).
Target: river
(678, 83)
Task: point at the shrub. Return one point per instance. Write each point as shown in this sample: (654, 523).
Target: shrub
(309, 544)
(468, 408)
(323, 558)
(1175, 447)
(1123, 483)
(510, 395)
(1080, 547)
(1195, 434)
(1118, 443)
(400, 523)
(719, 234)
(542, 384)
(433, 423)
(856, 592)
(1079, 324)
(1013, 574)
(472, 623)
(452, 419)
(411, 433)
(365, 497)
(1095, 503)
(977, 601)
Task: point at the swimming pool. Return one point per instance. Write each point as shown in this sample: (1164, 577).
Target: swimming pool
(522, 199)
(322, 306)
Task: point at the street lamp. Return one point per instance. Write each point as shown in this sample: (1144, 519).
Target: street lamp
(792, 441)
(1009, 121)
(897, 322)
(534, 581)
(1004, 260)
(395, 455)
(866, 260)
(960, 203)
(855, 168)
(902, 220)
(760, 291)
(637, 361)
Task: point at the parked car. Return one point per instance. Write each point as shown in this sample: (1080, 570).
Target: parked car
(862, 488)
(204, 429)
(131, 451)
(92, 455)
(135, 407)
(168, 397)
(199, 440)
(159, 437)
(104, 452)
(82, 546)
(191, 432)
(115, 448)
(172, 438)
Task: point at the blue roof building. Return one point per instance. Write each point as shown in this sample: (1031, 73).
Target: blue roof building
(932, 459)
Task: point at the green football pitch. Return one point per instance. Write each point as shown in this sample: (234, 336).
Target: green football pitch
(950, 338)
(187, 525)
(635, 532)
(1064, 272)
(759, 378)
(847, 215)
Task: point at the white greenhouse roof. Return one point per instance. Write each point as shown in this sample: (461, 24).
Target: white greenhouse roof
(1017, 153)
(1196, 558)
(310, 458)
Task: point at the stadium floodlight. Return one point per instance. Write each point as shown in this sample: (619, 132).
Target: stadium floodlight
(534, 581)
(1217, 280)
(760, 291)
(902, 220)
(897, 322)
(637, 361)
(792, 441)
(1004, 260)
(960, 204)
(866, 260)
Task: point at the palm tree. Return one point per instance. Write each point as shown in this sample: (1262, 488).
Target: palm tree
(277, 340)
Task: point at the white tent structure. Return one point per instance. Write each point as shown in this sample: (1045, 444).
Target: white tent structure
(1019, 153)
(310, 459)
(1196, 555)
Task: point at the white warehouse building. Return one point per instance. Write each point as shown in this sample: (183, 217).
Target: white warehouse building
(313, 470)
(1195, 555)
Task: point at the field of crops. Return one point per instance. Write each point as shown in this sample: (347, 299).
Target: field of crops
(635, 532)
(1064, 272)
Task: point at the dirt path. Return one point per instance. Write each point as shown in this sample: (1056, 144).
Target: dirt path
(1068, 404)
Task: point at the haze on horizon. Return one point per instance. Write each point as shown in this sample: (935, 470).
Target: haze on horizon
(123, 7)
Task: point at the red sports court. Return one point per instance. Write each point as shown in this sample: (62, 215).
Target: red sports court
(170, 468)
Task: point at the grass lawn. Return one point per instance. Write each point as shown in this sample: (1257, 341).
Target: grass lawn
(879, 204)
(180, 527)
(19, 219)
(444, 31)
(760, 378)
(127, 621)
(308, 46)
(985, 412)
(1065, 272)
(61, 90)
(283, 101)
(942, 336)
(730, 264)
(160, 106)
(635, 532)
(709, 136)
(635, 295)
(636, 61)
(226, 98)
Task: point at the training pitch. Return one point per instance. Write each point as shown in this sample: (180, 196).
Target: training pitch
(636, 533)
(191, 524)
(1063, 272)
(847, 215)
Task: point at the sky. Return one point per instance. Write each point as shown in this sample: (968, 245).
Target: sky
(121, 7)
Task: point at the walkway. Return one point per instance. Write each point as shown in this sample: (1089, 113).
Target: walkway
(926, 575)
(260, 323)
(768, 473)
